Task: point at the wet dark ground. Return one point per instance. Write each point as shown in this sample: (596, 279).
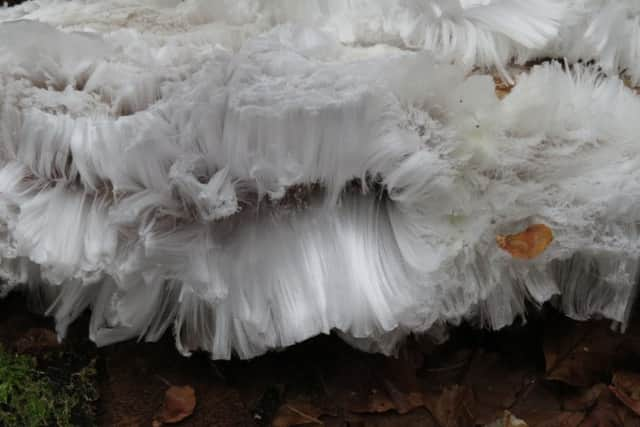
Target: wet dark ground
(548, 372)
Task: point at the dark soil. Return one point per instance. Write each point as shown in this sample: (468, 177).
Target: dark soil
(549, 372)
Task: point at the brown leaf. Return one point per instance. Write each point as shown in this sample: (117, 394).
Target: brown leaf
(527, 244)
(495, 383)
(603, 415)
(629, 382)
(391, 385)
(297, 413)
(609, 412)
(630, 403)
(37, 340)
(538, 404)
(418, 418)
(579, 354)
(452, 407)
(583, 399)
(398, 379)
(626, 387)
(445, 368)
(179, 403)
(403, 402)
(562, 419)
(375, 401)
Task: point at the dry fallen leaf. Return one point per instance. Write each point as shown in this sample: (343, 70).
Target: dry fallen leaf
(391, 386)
(609, 411)
(527, 244)
(494, 382)
(387, 399)
(603, 415)
(452, 407)
(579, 354)
(404, 402)
(562, 419)
(538, 404)
(297, 413)
(626, 387)
(179, 403)
(376, 401)
(629, 382)
(583, 399)
(418, 418)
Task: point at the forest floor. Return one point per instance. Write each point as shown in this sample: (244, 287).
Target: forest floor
(548, 372)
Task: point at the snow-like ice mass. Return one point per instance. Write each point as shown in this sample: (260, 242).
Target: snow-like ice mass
(252, 173)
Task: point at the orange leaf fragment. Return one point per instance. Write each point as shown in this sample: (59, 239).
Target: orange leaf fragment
(179, 403)
(528, 244)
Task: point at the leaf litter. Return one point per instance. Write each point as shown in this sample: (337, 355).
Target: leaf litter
(179, 403)
(549, 372)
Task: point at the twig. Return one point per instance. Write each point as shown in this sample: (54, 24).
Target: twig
(165, 381)
(303, 415)
(448, 368)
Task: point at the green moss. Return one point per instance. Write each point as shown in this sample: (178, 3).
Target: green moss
(54, 396)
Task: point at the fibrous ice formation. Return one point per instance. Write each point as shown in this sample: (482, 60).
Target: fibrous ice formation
(254, 173)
